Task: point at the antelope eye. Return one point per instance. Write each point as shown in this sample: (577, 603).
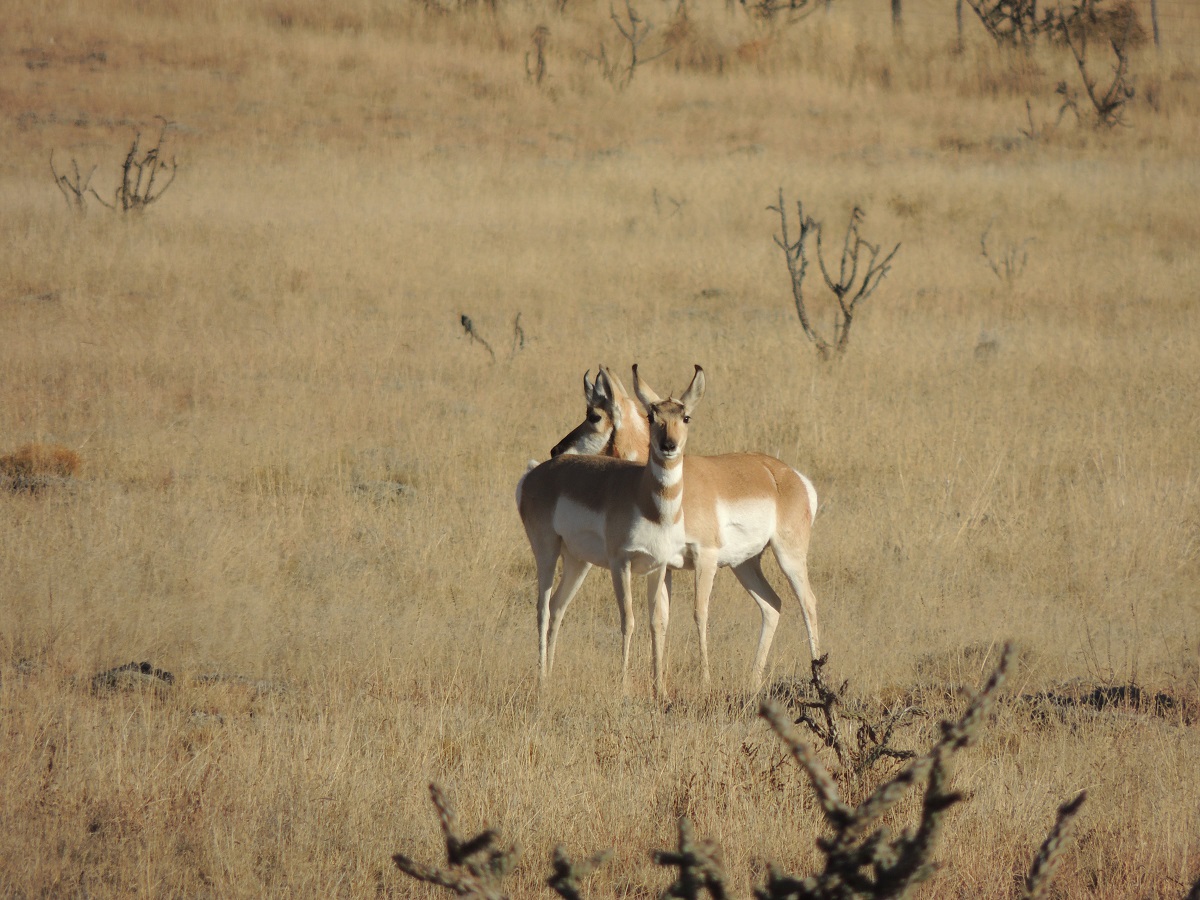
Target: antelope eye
(593, 416)
(686, 419)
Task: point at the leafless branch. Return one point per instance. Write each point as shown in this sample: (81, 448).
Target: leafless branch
(797, 264)
(474, 867)
(634, 30)
(140, 174)
(1011, 261)
(847, 284)
(1109, 103)
(75, 187)
(518, 336)
(469, 328)
(1041, 873)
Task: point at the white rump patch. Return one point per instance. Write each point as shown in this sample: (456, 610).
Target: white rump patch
(812, 497)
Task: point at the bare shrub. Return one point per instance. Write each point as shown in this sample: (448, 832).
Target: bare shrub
(75, 188)
(864, 858)
(474, 867)
(145, 177)
(786, 11)
(1007, 263)
(634, 30)
(858, 746)
(535, 60)
(475, 337)
(1079, 30)
(859, 272)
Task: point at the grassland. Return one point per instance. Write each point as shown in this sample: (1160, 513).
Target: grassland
(296, 490)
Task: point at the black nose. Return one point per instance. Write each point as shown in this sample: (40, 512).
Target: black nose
(556, 450)
(668, 445)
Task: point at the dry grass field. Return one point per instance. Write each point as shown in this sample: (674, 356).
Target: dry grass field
(286, 473)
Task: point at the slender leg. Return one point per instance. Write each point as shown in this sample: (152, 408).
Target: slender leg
(664, 598)
(706, 570)
(547, 561)
(751, 576)
(660, 612)
(622, 587)
(573, 572)
(795, 567)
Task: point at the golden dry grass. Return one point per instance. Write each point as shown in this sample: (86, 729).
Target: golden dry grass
(298, 472)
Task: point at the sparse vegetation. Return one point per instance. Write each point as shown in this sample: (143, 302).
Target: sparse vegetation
(864, 858)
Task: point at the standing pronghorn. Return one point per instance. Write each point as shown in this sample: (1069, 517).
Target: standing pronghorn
(625, 516)
(735, 506)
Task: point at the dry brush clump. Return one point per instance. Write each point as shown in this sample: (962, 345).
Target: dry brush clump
(35, 466)
(864, 857)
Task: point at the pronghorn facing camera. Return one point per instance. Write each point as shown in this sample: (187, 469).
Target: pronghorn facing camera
(735, 506)
(625, 516)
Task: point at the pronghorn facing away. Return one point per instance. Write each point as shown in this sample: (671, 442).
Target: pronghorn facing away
(735, 506)
(625, 516)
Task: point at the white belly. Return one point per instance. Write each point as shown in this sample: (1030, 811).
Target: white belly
(746, 527)
(647, 545)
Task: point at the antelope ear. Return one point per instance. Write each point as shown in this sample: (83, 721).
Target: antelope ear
(615, 383)
(694, 392)
(589, 389)
(603, 392)
(644, 392)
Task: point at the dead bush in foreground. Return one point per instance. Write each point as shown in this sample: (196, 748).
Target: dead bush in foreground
(864, 858)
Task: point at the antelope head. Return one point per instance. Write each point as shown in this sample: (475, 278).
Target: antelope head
(668, 418)
(613, 425)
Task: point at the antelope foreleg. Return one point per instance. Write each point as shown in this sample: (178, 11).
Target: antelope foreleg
(706, 570)
(622, 586)
(658, 599)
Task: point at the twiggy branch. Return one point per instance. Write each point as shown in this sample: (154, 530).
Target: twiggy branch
(474, 867)
(797, 264)
(74, 187)
(1109, 104)
(634, 30)
(847, 283)
(519, 339)
(864, 858)
(566, 875)
(1010, 264)
(848, 287)
(1041, 873)
(700, 864)
(139, 175)
(469, 328)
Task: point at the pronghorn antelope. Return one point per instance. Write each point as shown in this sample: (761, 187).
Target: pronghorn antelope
(735, 506)
(623, 515)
